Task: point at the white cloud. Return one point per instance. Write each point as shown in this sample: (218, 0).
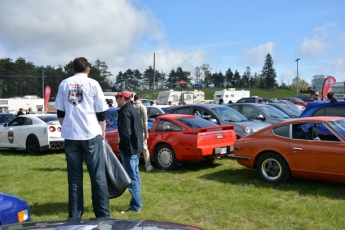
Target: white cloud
(256, 56)
(313, 47)
(321, 40)
(55, 32)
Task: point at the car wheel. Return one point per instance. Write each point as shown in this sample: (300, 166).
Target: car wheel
(32, 145)
(165, 157)
(273, 168)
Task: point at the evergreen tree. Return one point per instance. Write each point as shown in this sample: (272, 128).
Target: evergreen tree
(268, 74)
(229, 76)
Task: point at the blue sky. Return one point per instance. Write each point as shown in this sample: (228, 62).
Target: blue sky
(222, 33)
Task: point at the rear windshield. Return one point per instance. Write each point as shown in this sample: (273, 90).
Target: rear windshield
(195, 123)
(6, 118)
(48, 118)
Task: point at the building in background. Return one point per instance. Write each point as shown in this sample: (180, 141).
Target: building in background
(317, 83)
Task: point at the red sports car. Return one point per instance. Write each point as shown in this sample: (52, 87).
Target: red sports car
(310, 147)
(175, 138)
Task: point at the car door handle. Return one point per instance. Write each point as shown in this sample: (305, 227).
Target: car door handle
(299, 149)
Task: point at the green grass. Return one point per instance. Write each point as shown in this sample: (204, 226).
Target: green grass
(253, 92)
(222, 195)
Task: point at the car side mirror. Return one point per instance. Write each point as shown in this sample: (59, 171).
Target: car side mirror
(260, 117)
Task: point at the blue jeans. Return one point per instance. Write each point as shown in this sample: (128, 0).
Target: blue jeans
(131, 165)
(93, 153)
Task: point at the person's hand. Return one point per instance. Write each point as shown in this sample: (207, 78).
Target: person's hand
(103, 136)
(146, 135)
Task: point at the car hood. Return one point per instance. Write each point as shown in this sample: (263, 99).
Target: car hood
(100, 224)
(9, 203)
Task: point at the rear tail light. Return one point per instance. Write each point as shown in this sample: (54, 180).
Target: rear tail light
(52, 129)
(59, 129)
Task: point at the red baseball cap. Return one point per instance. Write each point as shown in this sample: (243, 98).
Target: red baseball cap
(126, 94)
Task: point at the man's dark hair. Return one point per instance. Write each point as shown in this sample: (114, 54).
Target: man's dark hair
(80, 65)
(137, 96)
(313, 92)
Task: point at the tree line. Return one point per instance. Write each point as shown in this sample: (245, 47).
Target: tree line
(20, 77)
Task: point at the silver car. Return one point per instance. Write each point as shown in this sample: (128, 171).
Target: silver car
(222, 115)
(260, 112)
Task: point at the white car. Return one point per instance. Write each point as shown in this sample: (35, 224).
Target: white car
(32, 132)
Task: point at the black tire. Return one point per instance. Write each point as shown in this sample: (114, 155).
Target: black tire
(273, 168)
(165, 157)
(32, 145)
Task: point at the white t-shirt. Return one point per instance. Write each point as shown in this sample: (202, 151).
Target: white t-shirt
(81, 98)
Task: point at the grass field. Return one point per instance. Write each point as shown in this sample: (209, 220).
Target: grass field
(222, 195)
(253, 92)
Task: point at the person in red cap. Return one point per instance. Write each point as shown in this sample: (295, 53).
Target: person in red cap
(131, 144)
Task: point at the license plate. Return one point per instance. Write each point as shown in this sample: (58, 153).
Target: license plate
(223, 151)
(220, 150)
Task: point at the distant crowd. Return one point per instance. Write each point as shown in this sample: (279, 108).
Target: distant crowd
(29, 111)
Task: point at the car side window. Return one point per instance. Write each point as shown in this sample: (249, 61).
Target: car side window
(168, 126)
(235, 107)
(312, 131)
(282, 131)
(17, 121)
(181, 111)
(155, 111)
(203, 114)
(335, 110)
(250, 112)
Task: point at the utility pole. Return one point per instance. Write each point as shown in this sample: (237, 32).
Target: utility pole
(297, 76)
(43, 84)
(154, 70)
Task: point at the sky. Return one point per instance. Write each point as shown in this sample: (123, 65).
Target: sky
(225, 34)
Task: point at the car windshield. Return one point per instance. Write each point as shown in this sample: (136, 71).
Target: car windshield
(48, 118)
(339, 126)
(6, 118)
(113, 113)
(286, 102)
(292, 111)
(299, 100)
(195, 122)
(229, 114)
(145, 102)
(273, 112)
(165, 109)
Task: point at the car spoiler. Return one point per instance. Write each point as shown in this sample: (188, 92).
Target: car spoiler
(214, 128)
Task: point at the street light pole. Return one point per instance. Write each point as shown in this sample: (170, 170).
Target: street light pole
(297, 76)
(42, 83)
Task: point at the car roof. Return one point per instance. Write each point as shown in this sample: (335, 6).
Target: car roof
(313, 119)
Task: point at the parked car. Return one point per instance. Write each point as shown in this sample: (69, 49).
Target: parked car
(291, 111)
(6, 117)
(261, 112)
(13, 209)
(249, 100)
(310, 147)
(221, 115)
(156, 109)
(177, 138)
(32, 132)
(295, 100)
(321, 108)
(102, 224)
(111, 115)
(287, 102)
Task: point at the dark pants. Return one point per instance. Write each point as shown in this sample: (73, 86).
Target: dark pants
(93, 153)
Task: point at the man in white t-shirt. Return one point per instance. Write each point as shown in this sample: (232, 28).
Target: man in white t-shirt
(81, 112)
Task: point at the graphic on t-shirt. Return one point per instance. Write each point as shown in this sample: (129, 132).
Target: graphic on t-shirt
(75, 96)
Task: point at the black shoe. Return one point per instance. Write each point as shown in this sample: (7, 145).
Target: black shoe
(128, 211)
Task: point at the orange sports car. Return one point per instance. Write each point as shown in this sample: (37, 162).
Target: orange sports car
(176, 138)
(311, 148)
